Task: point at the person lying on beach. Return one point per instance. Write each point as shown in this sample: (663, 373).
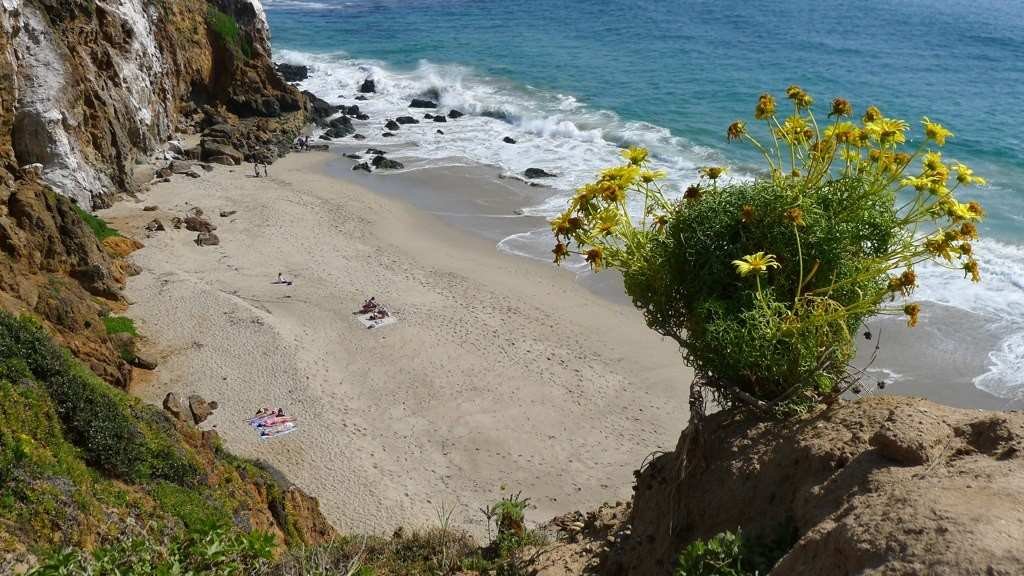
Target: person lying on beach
(380, 314)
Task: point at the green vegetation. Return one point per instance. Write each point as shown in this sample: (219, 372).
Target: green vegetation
(225, 28)
(119, 325)
(98, 225)
(732, 554)
(211, 551)
(115, 432)
(764, 284)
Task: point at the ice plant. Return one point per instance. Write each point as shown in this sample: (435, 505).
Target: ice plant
(763, 284)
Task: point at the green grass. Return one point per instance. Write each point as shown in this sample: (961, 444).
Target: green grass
(196, 509)
(120, 325)
(226, 29)
(98, 225)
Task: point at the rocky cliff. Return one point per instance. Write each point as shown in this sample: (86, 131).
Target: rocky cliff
(881, 485)
(90, 87)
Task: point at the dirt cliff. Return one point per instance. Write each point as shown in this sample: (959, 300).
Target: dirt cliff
(881, 485)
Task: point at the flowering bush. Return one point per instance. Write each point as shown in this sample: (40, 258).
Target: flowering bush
(764, 283)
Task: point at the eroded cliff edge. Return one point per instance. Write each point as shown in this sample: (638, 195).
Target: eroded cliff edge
(89, 87)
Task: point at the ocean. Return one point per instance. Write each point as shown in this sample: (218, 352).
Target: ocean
(574, 81)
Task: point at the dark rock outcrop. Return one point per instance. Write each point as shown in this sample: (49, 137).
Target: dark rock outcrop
(391, 125)
(508, 140)
(421, 103)
(537, 173)
(455, 114)
(384, 163)
(292, 72)
(368, 86)
(407, 120)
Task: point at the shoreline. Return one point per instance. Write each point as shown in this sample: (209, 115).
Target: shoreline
(477, 200)
(502, 373)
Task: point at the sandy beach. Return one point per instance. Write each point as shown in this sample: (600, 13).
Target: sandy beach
(502, 373)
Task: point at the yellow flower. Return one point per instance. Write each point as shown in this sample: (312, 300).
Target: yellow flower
(887, 131)
(842, 108)
(607, 221)
(799, 96)
(736, 130)
(919, 183)
(620, 176)
(765, 107)
(968, 231)
(560, 252)
(795, 216)
(648, 176)
(635, 155)
(841, 131)
(756, 264)
(712, 172)
(794, 129)
(560, 225)
(912, 311)
(595, 257)
(871, 114)
(965, 175)
(935, 132)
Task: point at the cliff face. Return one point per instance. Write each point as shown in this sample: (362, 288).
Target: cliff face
(87, 87)
(883, 485)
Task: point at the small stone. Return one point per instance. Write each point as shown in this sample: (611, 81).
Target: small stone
(207, 239)
(155, 225)
(362, 166)
(150, 208)
(228, 213)
(508, 140)
(144, 362)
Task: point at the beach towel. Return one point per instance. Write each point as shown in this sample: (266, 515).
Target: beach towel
(364, 319)
(278, 430)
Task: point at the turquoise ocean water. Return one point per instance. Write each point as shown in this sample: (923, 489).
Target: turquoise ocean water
(574, 80)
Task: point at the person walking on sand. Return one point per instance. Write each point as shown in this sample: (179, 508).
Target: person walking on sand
(266, 171)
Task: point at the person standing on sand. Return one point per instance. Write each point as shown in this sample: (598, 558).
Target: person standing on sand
(266, 171)
(256, 168)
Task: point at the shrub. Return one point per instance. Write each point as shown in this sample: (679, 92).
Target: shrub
(119, 325)
(764, 283)
(720, 555)
(225, 28)
(98, 225)
(212, 550)
(114, 431)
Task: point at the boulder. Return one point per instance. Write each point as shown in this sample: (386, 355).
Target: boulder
(440, 118)
(150, 208)
(340, 127)
(352, 110)
(319, 109)
(324, 136)
(368, 86)
(155, 225)
(121, 246)
(358, 137)
(213, 150)
(537, 173)
(200, 408)
(453, 114)
(384, 163)
(207, 239)
(508, 140)
(292, 72)
(361, 98)
(421, 103)
(176, 222)
(143, 362)
(440, 132)
(362, 166)
(222, 160)
(391, 125)
(387, 135)
(198, 224)
(362, 116)
(164, 172)
(407, 120)
(428, 116)
(206, 167)
(173, 406)
(180, 166)
(375, 151)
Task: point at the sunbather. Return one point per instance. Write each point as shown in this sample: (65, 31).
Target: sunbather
(369, 306)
